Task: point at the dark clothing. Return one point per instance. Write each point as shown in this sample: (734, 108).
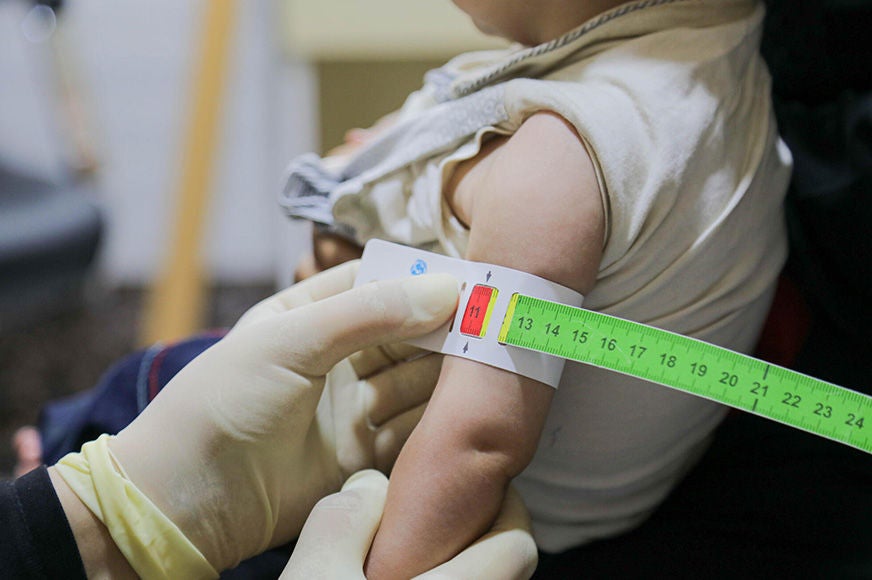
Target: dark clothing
(119, 397)
(37, 540)
(768, 501)
(817, 49)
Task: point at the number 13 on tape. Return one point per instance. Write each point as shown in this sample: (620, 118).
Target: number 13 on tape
(536, 330)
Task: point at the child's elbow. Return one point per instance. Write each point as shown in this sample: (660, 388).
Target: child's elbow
(486, 457)
(490, 415)
(501, 449)
(497, 446)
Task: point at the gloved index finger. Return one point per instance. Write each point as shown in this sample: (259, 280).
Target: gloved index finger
(322, 285)
(321, 334)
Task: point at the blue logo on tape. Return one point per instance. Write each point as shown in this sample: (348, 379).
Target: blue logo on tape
(418, 268)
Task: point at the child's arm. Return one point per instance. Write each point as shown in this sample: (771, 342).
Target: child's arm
(532, 203)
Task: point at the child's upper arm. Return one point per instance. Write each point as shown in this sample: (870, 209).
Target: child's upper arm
(532, 203)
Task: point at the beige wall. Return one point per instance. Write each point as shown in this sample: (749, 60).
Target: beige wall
(133, 64)
(370, 54)
(378, 29)
(356, 93)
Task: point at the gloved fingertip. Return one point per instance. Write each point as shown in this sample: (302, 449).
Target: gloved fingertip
(364, 478)
(431, 297)
(353, 265)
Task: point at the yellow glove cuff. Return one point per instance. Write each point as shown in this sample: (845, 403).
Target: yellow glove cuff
(153, 545)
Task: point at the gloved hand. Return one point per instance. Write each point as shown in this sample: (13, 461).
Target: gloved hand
(232, 451)
(372, 400)
(337, 537)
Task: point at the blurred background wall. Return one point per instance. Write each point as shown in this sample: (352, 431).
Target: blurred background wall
(133, 64)
(99, 98)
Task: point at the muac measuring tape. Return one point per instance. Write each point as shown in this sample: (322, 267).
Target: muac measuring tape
(522, 323)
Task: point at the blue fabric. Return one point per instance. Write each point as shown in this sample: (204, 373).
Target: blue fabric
(118, 398)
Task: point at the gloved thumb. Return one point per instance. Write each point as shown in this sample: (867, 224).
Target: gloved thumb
(337, 536)
(321, 334)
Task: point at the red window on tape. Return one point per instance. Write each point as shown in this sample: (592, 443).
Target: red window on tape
(478, 311)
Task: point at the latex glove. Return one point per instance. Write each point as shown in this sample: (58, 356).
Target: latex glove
(371, 404)
(372, 400)
(231, 451)
(337, 536)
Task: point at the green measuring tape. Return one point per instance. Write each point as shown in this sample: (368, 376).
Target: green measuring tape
(690, 365)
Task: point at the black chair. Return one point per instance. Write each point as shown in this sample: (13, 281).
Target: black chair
(49, 235)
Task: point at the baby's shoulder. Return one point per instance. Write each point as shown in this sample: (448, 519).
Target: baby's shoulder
(543, 154)
(529, 194)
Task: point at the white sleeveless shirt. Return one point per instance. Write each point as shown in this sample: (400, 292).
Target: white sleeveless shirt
(671, 98)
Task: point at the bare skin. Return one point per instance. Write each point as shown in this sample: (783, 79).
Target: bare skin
(532, 23)
(521, 201)
(100, 556)
(27, 445)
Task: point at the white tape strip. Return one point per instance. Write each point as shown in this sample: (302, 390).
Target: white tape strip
(485, 294)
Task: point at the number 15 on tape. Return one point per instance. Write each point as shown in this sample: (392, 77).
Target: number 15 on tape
(691, 366)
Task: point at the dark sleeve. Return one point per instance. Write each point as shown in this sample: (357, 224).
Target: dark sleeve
(35, 538)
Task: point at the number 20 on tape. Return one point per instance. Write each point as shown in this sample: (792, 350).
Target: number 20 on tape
(692, 366)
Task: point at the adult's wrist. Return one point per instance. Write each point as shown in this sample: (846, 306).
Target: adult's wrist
(99, 554)
(152, 544)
